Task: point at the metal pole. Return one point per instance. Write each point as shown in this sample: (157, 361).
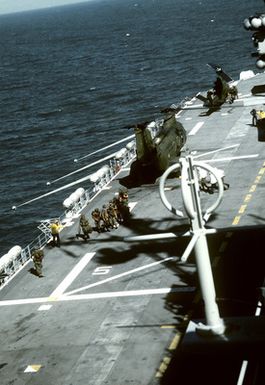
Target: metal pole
(191, 199)
(214, 323)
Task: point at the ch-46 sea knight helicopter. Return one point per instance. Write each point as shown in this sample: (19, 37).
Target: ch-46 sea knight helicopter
(158, 144)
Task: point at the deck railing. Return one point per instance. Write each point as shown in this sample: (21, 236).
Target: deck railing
(16, 258)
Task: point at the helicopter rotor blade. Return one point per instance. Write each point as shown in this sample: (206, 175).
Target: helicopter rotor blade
(53, 192)
(105, 148)
(83, 168)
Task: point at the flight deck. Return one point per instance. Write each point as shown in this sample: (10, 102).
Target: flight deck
(114, 310)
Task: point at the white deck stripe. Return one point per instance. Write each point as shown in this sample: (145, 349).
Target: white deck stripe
(242, 373)
(118, 276)
(214, 151)
(44, 307)
(244, 365)
(231, 158)
(128, 293)
(196, 128)
(195, 107)
(72, 275)
(258, 309)
(132, 205)
(24, 301)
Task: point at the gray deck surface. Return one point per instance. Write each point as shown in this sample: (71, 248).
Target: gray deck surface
(129, 303)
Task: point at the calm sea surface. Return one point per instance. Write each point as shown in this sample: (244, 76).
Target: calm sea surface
(72, 78)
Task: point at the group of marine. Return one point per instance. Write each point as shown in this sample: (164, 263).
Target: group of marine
(109, 217)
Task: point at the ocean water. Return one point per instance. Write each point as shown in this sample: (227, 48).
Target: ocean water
(73, 78)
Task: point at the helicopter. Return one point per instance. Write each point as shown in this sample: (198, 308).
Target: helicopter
(158, 144)
(222, 91)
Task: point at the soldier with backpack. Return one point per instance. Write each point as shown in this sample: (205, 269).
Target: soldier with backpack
(37, 257)
(84, 227)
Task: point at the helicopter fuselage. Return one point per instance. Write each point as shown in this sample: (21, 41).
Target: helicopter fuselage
(157, 148)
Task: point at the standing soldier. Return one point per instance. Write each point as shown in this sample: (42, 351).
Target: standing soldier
(124, 204)
(37, 257)
(85, 227)
(233, 94)
(55, 229)
(97, 219)
(254, 117)
(123, 195)
(116, 206)
(105, 218)
(112, 215)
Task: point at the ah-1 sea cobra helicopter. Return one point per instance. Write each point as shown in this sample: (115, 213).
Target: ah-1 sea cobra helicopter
(222, 91)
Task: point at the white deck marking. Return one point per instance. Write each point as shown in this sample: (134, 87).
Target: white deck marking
(258, 309)
(113, 294)
(132, 205)
(214, 151)
(196, 107)
(102, 270)
(231, 158)
(242, 373)
(24, 301)
(32, 369)
(244, 365)
(72, 275)
(128, 293)
(118, 276)
(44, 307)
(196, 128)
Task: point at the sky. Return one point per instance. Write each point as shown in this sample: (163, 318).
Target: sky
(10, 6)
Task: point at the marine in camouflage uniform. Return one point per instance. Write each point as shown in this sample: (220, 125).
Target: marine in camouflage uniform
(123, 204)
(112, 213)
(97, 219)
(85, 227)
(116, 205)
(105, 217)
(37, 257)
